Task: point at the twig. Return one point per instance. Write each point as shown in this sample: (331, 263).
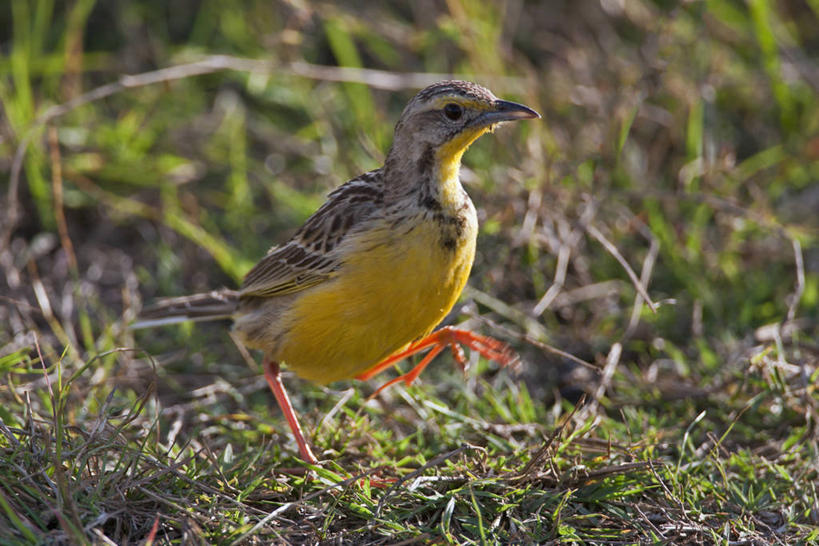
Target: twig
(603, 289)
(527, 469)
(529, 323)
(21, 304)
(101, 536)
(246, 356)
(435, 461)
(647, 520)
(612, 360)
(793, 304)
(563, 255)
(562, 266)
(610, 471)
(379, 79)
(539, 344)
(668, 493)
(283, 508)
(594, 232)
(335, 409)
(57, 188)
(645, 277)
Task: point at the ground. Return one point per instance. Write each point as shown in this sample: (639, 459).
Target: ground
(649, 249)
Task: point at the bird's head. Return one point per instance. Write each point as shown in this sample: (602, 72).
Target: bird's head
(442, 120)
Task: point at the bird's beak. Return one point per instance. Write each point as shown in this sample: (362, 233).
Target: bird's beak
(505, 111)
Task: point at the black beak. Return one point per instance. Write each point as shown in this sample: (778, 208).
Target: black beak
(506, 111)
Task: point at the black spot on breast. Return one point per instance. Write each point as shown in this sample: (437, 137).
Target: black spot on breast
(460, 225)
(457, 223)
(452, 229)
(429, 202)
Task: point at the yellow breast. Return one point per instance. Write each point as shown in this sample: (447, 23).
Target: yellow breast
(397, 283)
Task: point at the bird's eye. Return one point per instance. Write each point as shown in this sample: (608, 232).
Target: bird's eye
(453, 111)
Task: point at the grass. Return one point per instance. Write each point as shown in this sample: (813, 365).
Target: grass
(679, 140)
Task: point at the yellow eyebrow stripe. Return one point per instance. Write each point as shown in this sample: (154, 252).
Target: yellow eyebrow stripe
(466, 103)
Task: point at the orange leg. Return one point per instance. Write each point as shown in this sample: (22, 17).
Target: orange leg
(439, 340)
(413, 374)
(271, 373)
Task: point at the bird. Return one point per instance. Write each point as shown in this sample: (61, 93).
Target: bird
(367, 278)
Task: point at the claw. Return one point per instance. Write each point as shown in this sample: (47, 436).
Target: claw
(413, 374)
(448, 336)
(459, 356)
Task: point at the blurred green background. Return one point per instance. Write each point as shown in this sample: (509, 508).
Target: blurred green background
(684, 134)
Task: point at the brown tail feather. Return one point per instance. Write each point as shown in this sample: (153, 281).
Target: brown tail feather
(219, 304)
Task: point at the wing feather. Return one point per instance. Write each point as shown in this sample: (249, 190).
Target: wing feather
(309, 258)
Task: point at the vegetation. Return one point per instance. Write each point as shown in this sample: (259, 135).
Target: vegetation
(679, 151)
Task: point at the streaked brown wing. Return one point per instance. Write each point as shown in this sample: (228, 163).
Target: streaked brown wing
(307, 259)
(286, 269)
